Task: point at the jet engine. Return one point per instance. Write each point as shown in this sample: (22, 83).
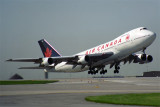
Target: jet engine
(47, 61)
(143, 58)
(83, 59)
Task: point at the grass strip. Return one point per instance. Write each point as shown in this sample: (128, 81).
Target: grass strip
(15, 82)
(144, 99)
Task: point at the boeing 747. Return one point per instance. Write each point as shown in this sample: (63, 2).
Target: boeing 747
(112, 53)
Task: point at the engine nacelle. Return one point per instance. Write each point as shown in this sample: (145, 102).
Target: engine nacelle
(47, 61)
(149, 58)
(143, 58)
(83, 59)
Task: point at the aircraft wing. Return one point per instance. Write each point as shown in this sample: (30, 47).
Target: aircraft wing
(78, 59)
(35, 60)
(75, 60)
(36, 67)
(41, 60)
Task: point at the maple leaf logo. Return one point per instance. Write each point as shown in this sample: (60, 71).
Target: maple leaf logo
(127, 37)
(48, 53)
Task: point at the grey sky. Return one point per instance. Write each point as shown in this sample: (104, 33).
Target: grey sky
(72, 26)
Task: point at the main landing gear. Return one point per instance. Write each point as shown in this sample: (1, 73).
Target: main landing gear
(116, 69)
(93, 71)
(103, 71)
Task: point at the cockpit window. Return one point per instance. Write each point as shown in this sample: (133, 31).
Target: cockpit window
(143, 28)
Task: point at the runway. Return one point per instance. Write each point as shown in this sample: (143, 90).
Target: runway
(71, 92)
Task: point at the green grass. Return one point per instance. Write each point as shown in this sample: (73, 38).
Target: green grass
(15, 82)
(146, 99)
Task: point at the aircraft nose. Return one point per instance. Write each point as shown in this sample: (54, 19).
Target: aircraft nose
(154, 34)
(151, 35)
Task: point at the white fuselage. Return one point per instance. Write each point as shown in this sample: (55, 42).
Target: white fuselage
(122, 46)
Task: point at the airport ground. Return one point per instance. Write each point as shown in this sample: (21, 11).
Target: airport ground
(72, 92)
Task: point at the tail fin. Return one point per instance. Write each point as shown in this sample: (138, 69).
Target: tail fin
(47, 49)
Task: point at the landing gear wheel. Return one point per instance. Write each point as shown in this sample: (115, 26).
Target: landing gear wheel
(102, 72)
(91, 72)
(116, 71)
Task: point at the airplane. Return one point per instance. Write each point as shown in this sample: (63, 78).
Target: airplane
(121, 49)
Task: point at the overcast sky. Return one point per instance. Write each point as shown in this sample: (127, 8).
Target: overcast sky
(72, 26)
